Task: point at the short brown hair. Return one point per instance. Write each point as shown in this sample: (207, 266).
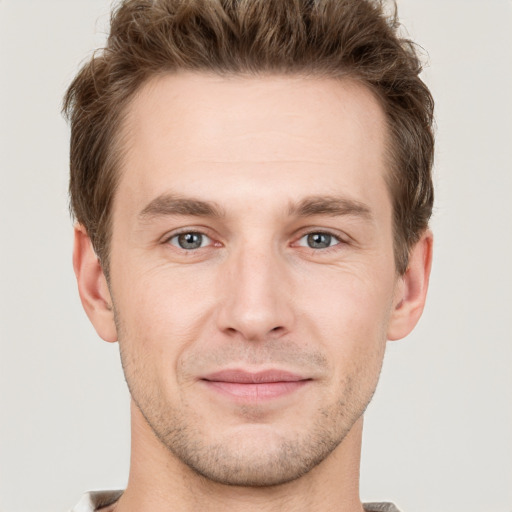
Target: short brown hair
(332, 38)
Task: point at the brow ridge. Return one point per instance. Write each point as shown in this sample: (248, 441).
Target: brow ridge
(330, 205)
(172, 204)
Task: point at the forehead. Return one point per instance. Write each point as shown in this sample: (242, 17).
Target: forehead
(202, 133)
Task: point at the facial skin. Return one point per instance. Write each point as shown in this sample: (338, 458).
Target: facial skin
(252, 244)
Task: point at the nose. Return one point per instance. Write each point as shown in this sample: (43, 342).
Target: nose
(256, 296)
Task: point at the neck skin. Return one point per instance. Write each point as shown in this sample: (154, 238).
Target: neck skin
(158, 480)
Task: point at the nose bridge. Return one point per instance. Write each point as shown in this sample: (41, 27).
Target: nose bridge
(256, 292)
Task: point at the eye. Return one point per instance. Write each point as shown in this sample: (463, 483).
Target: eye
(190, 240)
(318, 240)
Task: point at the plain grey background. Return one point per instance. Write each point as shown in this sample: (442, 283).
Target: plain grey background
(438, 435)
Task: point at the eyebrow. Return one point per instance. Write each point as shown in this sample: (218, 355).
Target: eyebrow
(171, 204)
(330, 205)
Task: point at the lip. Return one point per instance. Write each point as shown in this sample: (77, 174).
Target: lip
(254, 386)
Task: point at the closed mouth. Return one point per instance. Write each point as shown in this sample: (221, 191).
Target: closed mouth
(245, 385)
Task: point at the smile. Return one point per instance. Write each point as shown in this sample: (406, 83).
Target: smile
(265, 385)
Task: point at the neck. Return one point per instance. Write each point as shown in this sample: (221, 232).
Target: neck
(159, 480)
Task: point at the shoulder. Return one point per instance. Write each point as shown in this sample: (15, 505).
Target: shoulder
(97, 500)
(380, 507)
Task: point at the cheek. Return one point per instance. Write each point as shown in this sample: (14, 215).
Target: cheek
(348, 315)
(348, 305)
(162, 297)
(162, 312)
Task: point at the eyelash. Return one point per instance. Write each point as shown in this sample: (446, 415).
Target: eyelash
(339, 241)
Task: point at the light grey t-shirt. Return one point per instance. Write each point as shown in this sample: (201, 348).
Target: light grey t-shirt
(105, 500)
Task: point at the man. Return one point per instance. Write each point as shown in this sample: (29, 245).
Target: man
(252, 186)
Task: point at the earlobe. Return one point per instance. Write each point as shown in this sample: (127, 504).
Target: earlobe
(92, 286)
(412, 289)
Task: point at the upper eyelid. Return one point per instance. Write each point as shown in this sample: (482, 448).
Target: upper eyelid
(341, 236)
(174, 235)
(180, 231)
(319, 232)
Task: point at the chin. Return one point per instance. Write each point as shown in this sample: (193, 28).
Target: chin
(265, 468)
(257, 456)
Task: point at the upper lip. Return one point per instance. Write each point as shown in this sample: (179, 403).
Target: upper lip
(248, 377)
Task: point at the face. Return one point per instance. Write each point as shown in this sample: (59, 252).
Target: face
(252, 270)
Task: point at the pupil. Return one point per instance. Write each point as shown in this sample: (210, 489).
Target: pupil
(190, 240)
(319, 240)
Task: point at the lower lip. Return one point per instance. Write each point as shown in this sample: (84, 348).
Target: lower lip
(256, 392)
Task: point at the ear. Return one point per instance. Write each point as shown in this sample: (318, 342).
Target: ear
(92, 286)
(411, 291)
